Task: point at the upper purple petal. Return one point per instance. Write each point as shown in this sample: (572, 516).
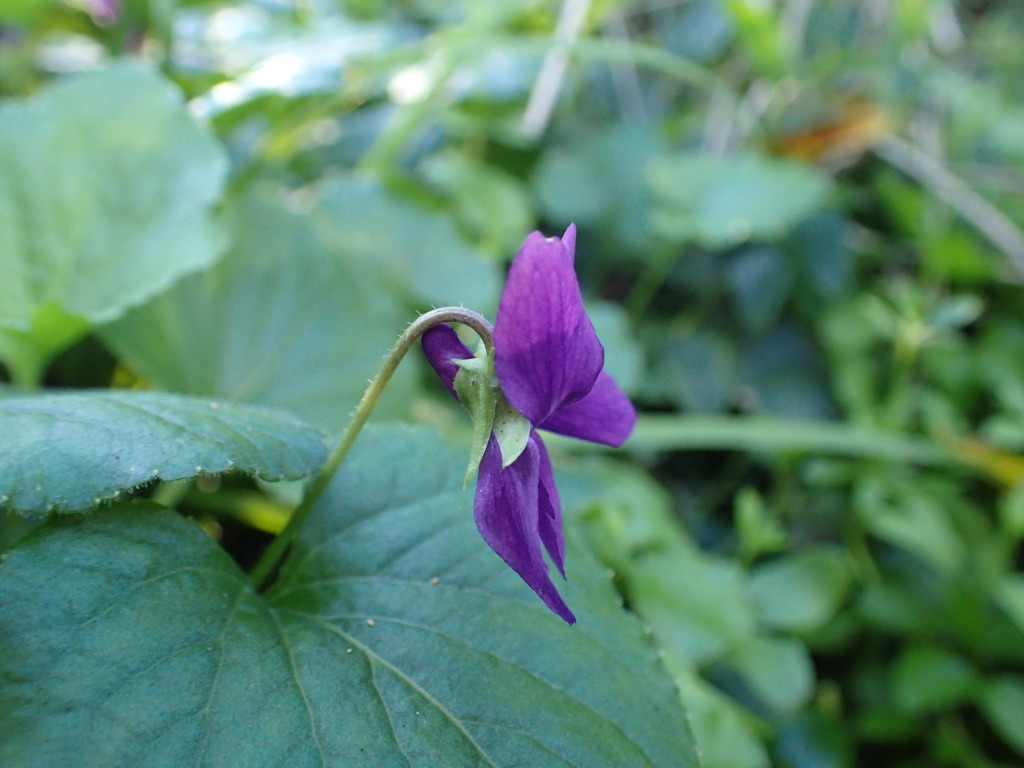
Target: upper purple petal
(605, 415)
(507, 515)
(546, 352)
(441, 345)
(549, 520)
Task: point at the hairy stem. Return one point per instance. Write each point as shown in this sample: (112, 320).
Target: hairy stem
(272, 556)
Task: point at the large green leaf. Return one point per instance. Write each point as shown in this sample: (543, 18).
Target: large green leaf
(722, 201)
(394, 637)
(70, 451)
(416, 251)
(282, 320)
(106, 186)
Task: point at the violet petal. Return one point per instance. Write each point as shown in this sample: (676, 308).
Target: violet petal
(547, 353)
(549, 521)
(441, 345)
(506, 513)
(604, 416)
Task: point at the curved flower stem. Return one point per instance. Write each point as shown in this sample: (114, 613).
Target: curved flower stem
(273, 554)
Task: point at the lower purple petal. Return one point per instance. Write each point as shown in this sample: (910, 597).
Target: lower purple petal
(441, 345)
(549, 520)
(604, 416)
(507, 515)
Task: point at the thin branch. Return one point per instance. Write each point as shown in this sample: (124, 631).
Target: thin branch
(552, 70)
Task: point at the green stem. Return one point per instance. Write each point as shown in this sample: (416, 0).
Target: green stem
(272, 556)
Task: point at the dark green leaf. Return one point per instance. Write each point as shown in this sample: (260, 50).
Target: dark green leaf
(786, 375)
(1002, 701)
(394, 637)
(929, 679)
(71, 451)
(696, 371)
(761, 280)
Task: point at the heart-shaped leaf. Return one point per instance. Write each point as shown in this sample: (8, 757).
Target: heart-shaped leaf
(70, 451)
(393, 637)
(282, 320)
(106, 186)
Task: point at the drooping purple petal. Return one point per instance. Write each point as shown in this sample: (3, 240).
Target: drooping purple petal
(605, 415)
(441, 345)
(506, 513)
(546, 352)
(549, 520)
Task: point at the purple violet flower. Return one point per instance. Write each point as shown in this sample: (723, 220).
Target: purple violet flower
(549, 364)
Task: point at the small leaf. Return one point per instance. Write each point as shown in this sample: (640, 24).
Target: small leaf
(1002, 701)
(696, 603)
(394, 637)
(70, 451)
(725, 733)
(913, 520)
(927, 678)
(761, 281)
(106, 188)
(801, 592)
(1008, 593)
(779, 670)
(719, 202)
(697, 371)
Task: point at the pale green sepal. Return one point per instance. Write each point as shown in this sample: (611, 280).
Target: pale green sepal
(473, 386)
(511, 428)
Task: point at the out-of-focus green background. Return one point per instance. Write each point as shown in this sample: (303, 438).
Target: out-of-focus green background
(801, 237)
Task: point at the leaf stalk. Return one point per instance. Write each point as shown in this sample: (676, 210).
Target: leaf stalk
(269, 560)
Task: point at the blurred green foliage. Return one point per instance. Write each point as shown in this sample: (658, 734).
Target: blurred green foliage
(800, 221)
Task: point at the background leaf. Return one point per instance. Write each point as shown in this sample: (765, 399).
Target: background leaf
(413, 250)
(106, 186)
(134, 639)
(723, 201)
(283, 320)
(803, 591)
(71, 451)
